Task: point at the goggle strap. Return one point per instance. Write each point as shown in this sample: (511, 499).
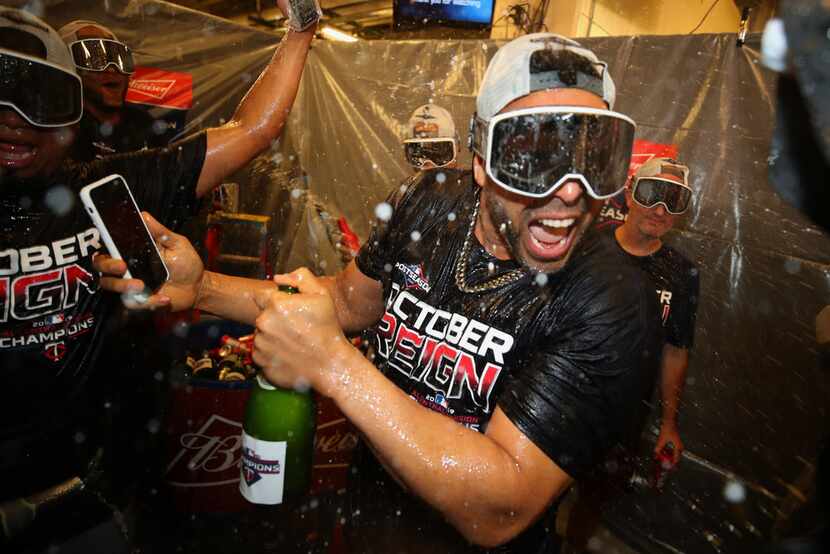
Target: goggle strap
(570, 176)
(478, 135)
(665, 206)
(482, 133)
(681, 185)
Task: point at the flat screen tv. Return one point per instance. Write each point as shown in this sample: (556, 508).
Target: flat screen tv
(476, 14)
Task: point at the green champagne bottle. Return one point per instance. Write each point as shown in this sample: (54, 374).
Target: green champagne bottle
(277, 443)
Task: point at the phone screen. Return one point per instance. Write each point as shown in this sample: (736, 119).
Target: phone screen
(123, 221)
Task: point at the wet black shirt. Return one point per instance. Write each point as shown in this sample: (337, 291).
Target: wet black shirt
(677, 285)
(52, 311)
(136, 130)
(613, 213)
(567, 356)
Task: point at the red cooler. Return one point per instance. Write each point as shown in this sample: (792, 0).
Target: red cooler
(204, 445)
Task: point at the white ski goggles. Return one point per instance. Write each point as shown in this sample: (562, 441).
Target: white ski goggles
(534, 151)
(676, 197)
(43, 93)
(439, 151)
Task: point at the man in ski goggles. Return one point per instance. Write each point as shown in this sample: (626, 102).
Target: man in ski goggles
(662, 184)
(41, 101)
(549, 149)
(432, 141)
(110, 124)
(41, 97)
(657, 194)
(103, 63)
(568, 355)
(99, 54)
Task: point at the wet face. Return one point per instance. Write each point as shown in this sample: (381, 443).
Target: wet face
(540, 233)
(102, 89)
(27, 151)
(651, 223)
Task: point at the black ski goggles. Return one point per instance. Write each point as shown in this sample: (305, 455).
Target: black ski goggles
(43, 93)
(97, 54)
(675, 197)
(439, 151)
(534, 151)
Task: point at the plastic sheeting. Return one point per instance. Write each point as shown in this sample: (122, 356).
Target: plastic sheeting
(756, 402)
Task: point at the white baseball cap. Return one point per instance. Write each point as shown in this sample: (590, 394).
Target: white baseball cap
(517, 70)
(664, 166)
(430, 121)
(56, 51)
(39, 78)
(69, 32)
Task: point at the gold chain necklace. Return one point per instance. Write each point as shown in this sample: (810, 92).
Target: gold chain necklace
(461, 264)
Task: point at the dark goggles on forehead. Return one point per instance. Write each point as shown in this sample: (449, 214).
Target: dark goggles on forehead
(439, 151)
(44, 94)
(532, 152)
(648, 192)
(97, 54)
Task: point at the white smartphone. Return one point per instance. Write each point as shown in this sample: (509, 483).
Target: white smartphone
(113, 210)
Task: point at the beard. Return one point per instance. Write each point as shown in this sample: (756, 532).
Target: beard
(504, 227)
(510, 233)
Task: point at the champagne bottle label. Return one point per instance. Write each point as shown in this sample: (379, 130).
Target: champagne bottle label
(263, 470)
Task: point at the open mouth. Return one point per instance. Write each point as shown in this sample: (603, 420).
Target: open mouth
(110, 82)
(15, 154)
(550, 238)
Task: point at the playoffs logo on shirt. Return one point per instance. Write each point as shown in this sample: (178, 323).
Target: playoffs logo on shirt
(413, 275)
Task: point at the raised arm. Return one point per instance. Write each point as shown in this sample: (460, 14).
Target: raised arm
(261, 115)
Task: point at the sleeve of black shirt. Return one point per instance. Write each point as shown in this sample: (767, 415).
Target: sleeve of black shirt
(163, 180)
(681, 328)
(582, 391)
(387, 236)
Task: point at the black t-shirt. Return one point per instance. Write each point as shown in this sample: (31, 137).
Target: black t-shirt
(52, 312)
(566, 356)
(614, 212)
(677, 284)
(136, 130)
